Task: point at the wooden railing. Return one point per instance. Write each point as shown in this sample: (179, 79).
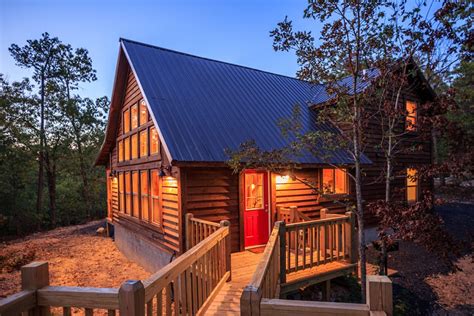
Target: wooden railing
(316, 242)
(290, 215)
(265, 282)
(186, 286)
(197, 230)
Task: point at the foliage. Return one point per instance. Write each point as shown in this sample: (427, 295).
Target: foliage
(50, 136)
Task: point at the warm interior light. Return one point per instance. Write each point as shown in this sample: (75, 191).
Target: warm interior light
(282, 179)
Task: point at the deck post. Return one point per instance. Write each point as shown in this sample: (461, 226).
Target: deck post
(351, 237)
(132, 298)
(282, 237)
(34, 276)
(188, 227)
(379, 294)
(228, 249)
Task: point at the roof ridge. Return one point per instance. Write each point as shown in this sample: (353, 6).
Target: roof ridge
(121, 39)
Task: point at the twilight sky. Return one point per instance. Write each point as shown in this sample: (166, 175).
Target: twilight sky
(235, 31)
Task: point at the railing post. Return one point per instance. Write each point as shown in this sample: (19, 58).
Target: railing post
(379, 294)
(188, 227)
(294, 214)
(282, 237)
(351, 238)
(33, 277)
(228, 249)
(132, 298)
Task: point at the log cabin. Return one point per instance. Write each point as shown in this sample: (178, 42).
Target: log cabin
(171, 118)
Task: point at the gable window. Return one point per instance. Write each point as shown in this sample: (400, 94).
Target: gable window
(134, 116)
(126, 146)
(126, 121)
(334, 181)
(135, 194)
(412, 185)
(143, 112)
(154, 143)
(120, 150)
(144, 143)
(411, 117)
(134, 146)
(121, 193)
(155, 197)
(128, 193)
(144, 193)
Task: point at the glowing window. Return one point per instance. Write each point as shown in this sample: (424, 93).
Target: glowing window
(144, 143)
(335, 181)
(412, 185)
(143, 112)
(134, 146)
(411, 117)
(126, 145)
(155, 196)
(121, 193)
(144, 193)
(126, 121)
(134, 116)
(135, 194)
(254, 191)
(154, 142)
(128, 193)
(120, 150)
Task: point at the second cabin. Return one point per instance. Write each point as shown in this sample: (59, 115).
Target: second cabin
(172, 117)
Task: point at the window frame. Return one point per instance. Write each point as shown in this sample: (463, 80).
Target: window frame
(346, 181)
(409, 127)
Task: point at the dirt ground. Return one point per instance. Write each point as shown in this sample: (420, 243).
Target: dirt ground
(76, 256)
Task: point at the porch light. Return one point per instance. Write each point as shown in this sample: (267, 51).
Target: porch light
(282, 179)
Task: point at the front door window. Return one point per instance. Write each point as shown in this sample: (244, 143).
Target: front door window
(254, 191)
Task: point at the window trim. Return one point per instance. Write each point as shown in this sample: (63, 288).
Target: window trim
(347, 186)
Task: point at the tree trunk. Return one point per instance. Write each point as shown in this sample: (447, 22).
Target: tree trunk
(51, 176)
(40, 184)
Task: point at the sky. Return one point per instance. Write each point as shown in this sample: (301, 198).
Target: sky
(235, 31)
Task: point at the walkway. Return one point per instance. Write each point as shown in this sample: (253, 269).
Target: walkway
(227, 301)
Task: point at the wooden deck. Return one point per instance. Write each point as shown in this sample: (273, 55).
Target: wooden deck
(227, 301)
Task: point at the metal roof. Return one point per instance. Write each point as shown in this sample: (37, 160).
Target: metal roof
(204, 106)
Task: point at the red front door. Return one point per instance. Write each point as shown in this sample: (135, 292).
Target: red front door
(255, 208)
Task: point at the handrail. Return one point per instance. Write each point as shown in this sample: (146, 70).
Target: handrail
(291, 215)
(185, 286)
(197, 230)
(17, 303)
(265, 280)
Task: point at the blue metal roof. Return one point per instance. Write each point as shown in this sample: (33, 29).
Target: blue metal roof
(321, 95)
(203, 106)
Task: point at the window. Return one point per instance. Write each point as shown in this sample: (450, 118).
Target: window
(121, 193)
(134, 146)
(143, 112)
(144, 193)
(120, 150)
(411, 118)
(155, 197)
(126, 145)
(126, 121)
(134, 116)
(254, 191)
(412, 185)
(154, 143)
(128, 193)
(136, 205)
(335, 181)
(144, 143)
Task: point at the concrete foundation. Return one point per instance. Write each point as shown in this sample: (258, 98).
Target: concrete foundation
(136, 248)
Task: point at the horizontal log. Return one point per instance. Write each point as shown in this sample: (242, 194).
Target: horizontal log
(85, 297)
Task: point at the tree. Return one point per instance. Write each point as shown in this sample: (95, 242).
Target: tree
(39, 55)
